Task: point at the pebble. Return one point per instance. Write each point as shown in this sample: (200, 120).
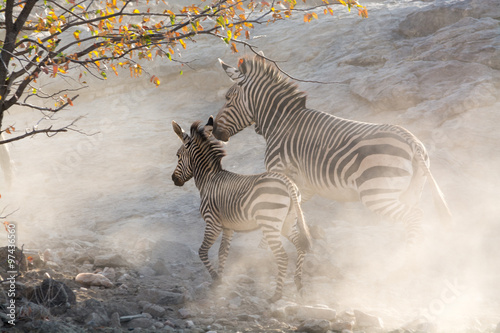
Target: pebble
(115, 320)
(184, 313)
(314, 326)
(310, 312)
(367, 320)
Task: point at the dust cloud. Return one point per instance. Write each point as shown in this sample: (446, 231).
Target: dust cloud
(112, 187)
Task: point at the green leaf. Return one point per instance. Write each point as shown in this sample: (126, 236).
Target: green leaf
(104, 75)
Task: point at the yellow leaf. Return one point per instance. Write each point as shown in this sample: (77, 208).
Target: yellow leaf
(136, 11)
(182, 43)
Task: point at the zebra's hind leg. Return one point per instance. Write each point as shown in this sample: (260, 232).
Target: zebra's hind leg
(272, 236)
(293, 235)
(209, 238)
(227, 236)
(396, 210)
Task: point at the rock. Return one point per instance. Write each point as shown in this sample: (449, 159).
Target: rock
(115, 320)
(85, 258)
(314, 326)
(97, 319)
(425, 22)
(109, 272)
(247, 317)
(341, 326)
(85, 268)
(110, 260)
(364, 320)
(310, 312)
(154, 310)
(235, 303)
(141, 323)
(146, 271)
(31, 311)
(185, 313)
(91, 279)
(161, 297)
(159, 267)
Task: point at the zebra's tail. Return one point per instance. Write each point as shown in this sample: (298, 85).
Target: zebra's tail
(305, 239)
(438, 196)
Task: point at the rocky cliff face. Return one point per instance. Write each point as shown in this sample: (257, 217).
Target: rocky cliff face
(430, 66)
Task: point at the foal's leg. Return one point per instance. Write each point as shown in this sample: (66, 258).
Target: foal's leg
(211, 233)
(227, 235)
(272, 235)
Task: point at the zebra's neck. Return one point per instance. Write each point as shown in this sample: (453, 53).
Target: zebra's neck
(275, 116)
(203, 174)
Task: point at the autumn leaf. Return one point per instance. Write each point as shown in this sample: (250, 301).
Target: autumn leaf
(363, 12)
(182, 43)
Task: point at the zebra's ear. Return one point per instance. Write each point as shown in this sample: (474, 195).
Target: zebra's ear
(233, 73)
(260, 56)
(209, 127)
(180, 132)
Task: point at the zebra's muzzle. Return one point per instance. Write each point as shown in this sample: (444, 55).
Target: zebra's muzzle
(177, 181)
(220, 135)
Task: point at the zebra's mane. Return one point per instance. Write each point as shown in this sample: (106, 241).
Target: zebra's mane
(215, 149)
(262, 68)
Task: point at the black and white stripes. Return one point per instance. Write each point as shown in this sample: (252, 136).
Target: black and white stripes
(232, 202)
(383, 166)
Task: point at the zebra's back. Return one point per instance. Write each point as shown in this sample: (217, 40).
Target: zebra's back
(335, 157)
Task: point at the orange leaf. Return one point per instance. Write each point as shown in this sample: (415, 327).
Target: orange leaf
(233, 48)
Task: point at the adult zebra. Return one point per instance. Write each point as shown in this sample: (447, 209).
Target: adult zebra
(383, 166)
(232, 202)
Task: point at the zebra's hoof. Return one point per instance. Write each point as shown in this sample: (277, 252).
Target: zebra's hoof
(298, 284)
(276, 297)
(217, 281)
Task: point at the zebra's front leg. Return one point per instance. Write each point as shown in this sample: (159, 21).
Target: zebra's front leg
(227, 236)
(209, 238)
(272, 235)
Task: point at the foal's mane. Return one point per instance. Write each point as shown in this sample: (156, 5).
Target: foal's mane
(215, 147)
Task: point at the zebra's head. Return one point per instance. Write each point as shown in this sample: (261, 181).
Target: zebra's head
(259, 94)
(236, 114)
(199, 151)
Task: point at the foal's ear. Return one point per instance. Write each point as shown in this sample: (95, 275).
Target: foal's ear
(233, 73)
(209, 127)
(180, 132)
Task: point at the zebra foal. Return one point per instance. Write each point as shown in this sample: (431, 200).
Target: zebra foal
(232, 202)
(383, 166)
